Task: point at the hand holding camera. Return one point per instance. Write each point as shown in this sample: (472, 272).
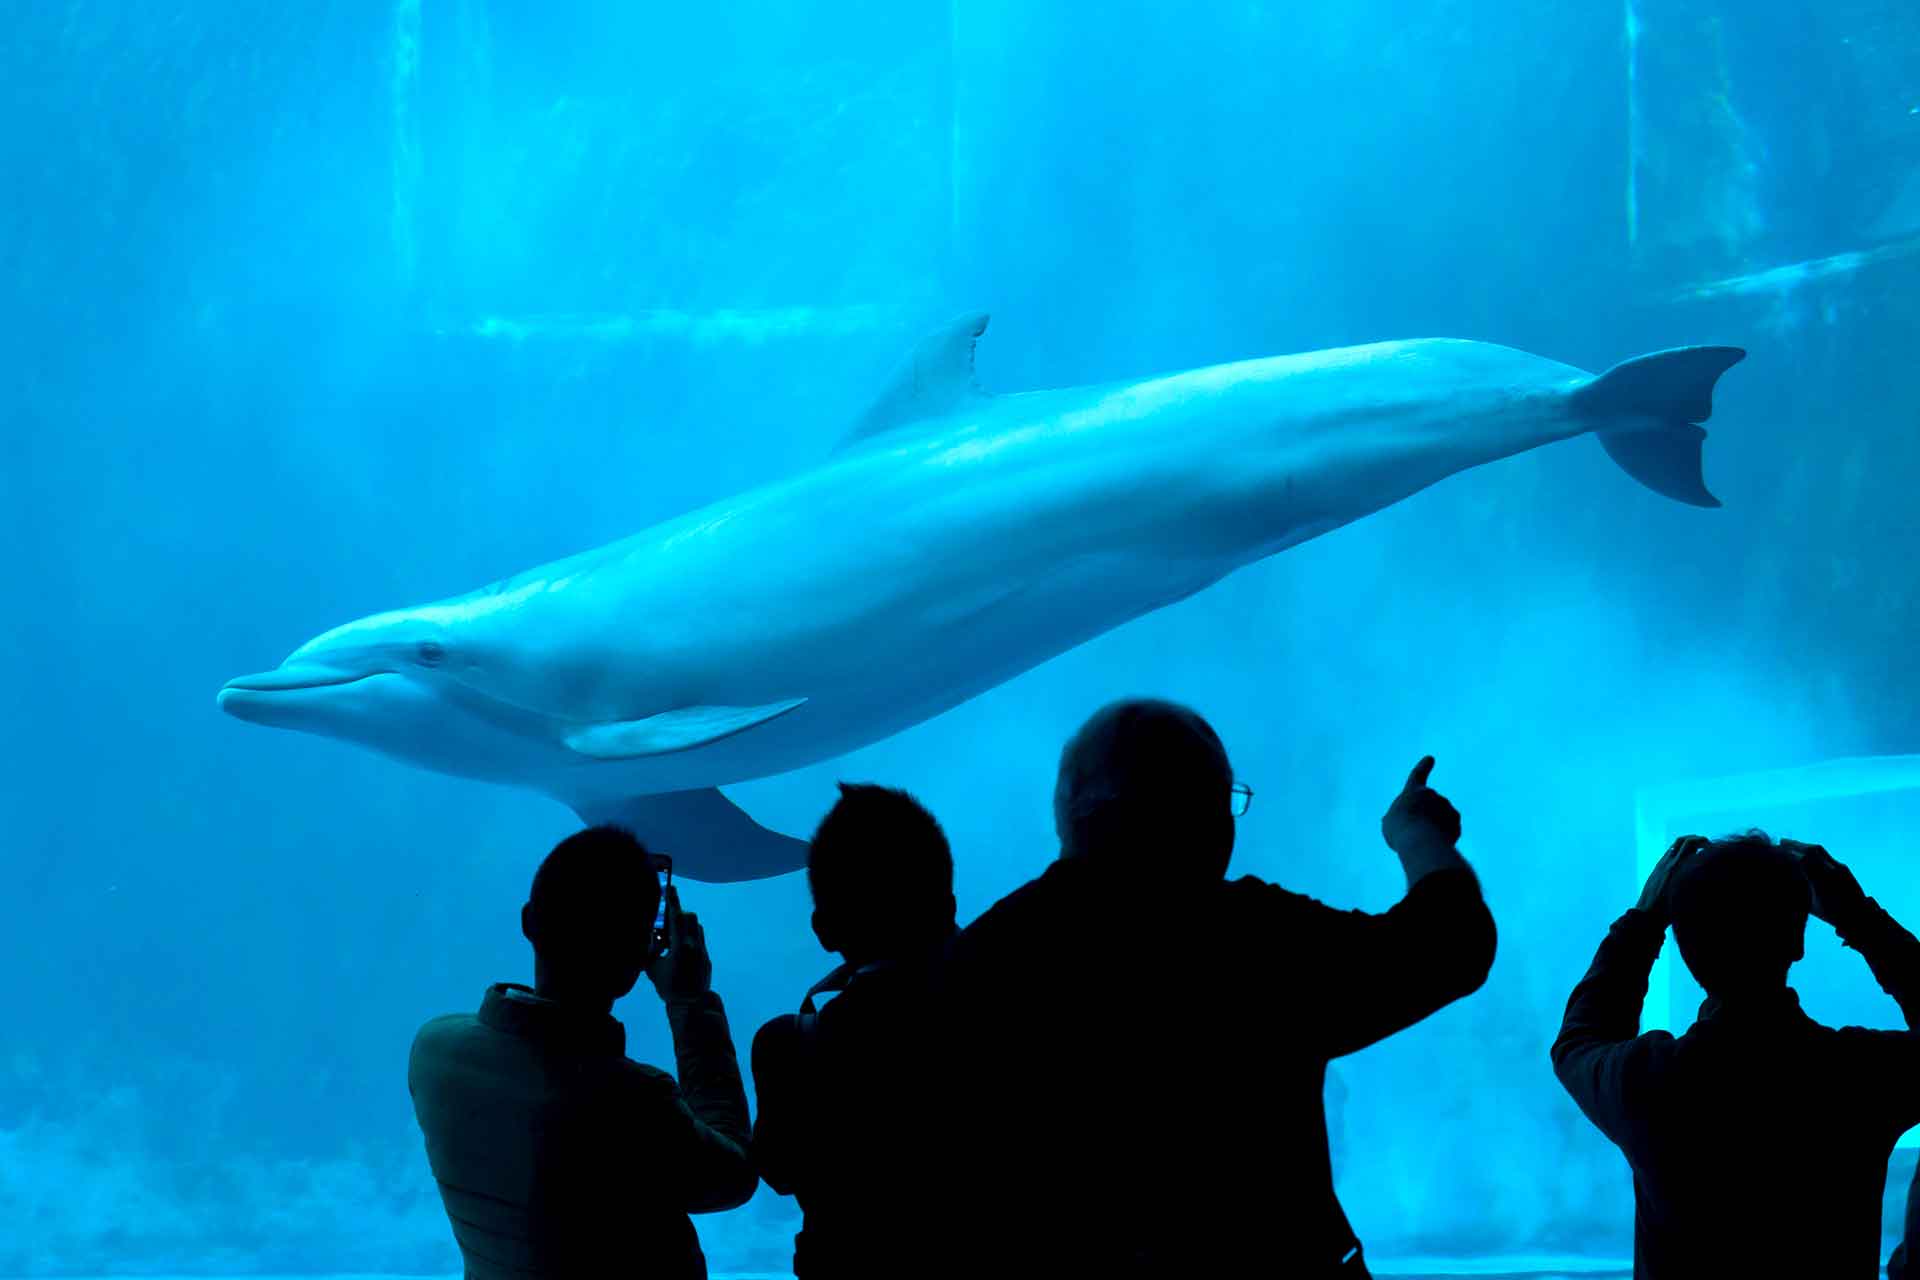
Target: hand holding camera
(682, 969)
(1837, 896)
(1657, 893)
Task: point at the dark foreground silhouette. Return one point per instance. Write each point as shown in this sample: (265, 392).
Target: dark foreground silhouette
(1119, 1069)
(1142, 1045)
(1905, 1265)
(846, 1085)
(557, 1155)
(1759, 1139)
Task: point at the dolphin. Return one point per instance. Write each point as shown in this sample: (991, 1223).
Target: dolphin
(954, 540)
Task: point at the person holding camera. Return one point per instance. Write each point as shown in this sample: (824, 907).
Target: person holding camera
(557, 1155)
(1144, 1043)
(1759, 1139)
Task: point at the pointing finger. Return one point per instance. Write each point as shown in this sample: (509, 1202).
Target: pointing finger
(1418, 778)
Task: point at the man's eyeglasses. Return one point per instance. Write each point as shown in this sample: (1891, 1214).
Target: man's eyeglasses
(1242, 799)
(662, 865)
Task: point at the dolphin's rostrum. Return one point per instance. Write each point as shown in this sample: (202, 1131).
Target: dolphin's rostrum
(955, 540)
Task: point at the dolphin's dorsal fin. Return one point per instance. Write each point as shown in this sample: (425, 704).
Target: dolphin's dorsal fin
(670, 731)
(936, 378)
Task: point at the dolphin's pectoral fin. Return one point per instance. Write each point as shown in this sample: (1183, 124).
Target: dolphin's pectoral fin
(670, 731)
(935, 379)
(709, 837)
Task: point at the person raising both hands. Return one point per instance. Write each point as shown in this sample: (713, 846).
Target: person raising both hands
(1758, 1139)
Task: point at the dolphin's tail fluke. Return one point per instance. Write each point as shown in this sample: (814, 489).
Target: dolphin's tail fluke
(1652, 407)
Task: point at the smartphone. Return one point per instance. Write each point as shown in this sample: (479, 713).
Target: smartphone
(664, 866)
(660, 927)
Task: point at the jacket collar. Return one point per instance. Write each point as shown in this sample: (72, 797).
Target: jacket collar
(1781, 1004)
(844, 975)
(516, 1010)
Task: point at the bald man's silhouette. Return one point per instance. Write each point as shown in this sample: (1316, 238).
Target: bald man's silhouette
(1145, 1042)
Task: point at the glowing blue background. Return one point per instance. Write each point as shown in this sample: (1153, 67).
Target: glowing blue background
(313, 310)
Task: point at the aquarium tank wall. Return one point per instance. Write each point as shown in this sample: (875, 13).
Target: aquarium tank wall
(316, 310)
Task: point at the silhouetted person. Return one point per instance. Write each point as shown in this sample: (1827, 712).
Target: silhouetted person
(1759, 1139)
(556, 1154)
(844, 1085)
(1146, 1042)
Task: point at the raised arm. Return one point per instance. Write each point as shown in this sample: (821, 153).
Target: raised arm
(1889, 950)
(1383, 973)
(1436, 945)
(1599, 1033)
(1599, 1041)
(1886, 1070)
(704, 1147)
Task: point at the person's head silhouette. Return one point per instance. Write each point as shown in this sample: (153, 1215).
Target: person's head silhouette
(590, 917)
(881, 875)
(1146, 785)
(1739, 909)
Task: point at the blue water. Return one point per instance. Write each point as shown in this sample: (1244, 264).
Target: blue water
(318, 310)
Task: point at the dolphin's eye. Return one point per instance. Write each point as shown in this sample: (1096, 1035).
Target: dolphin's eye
(432, 653)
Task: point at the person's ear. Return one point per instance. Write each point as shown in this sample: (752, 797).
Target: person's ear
(953, 908)
(1222, 843)
(823, 930)
(526, 923)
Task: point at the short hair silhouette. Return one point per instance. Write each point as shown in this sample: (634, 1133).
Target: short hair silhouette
(881, 873)
(593, 900)
(1739, 909)
(1142, 775)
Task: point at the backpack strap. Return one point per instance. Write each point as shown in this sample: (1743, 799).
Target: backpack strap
(807, 1020)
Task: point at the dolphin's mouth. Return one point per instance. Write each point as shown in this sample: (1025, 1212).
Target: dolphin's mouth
(287, 696)
(289, 679)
